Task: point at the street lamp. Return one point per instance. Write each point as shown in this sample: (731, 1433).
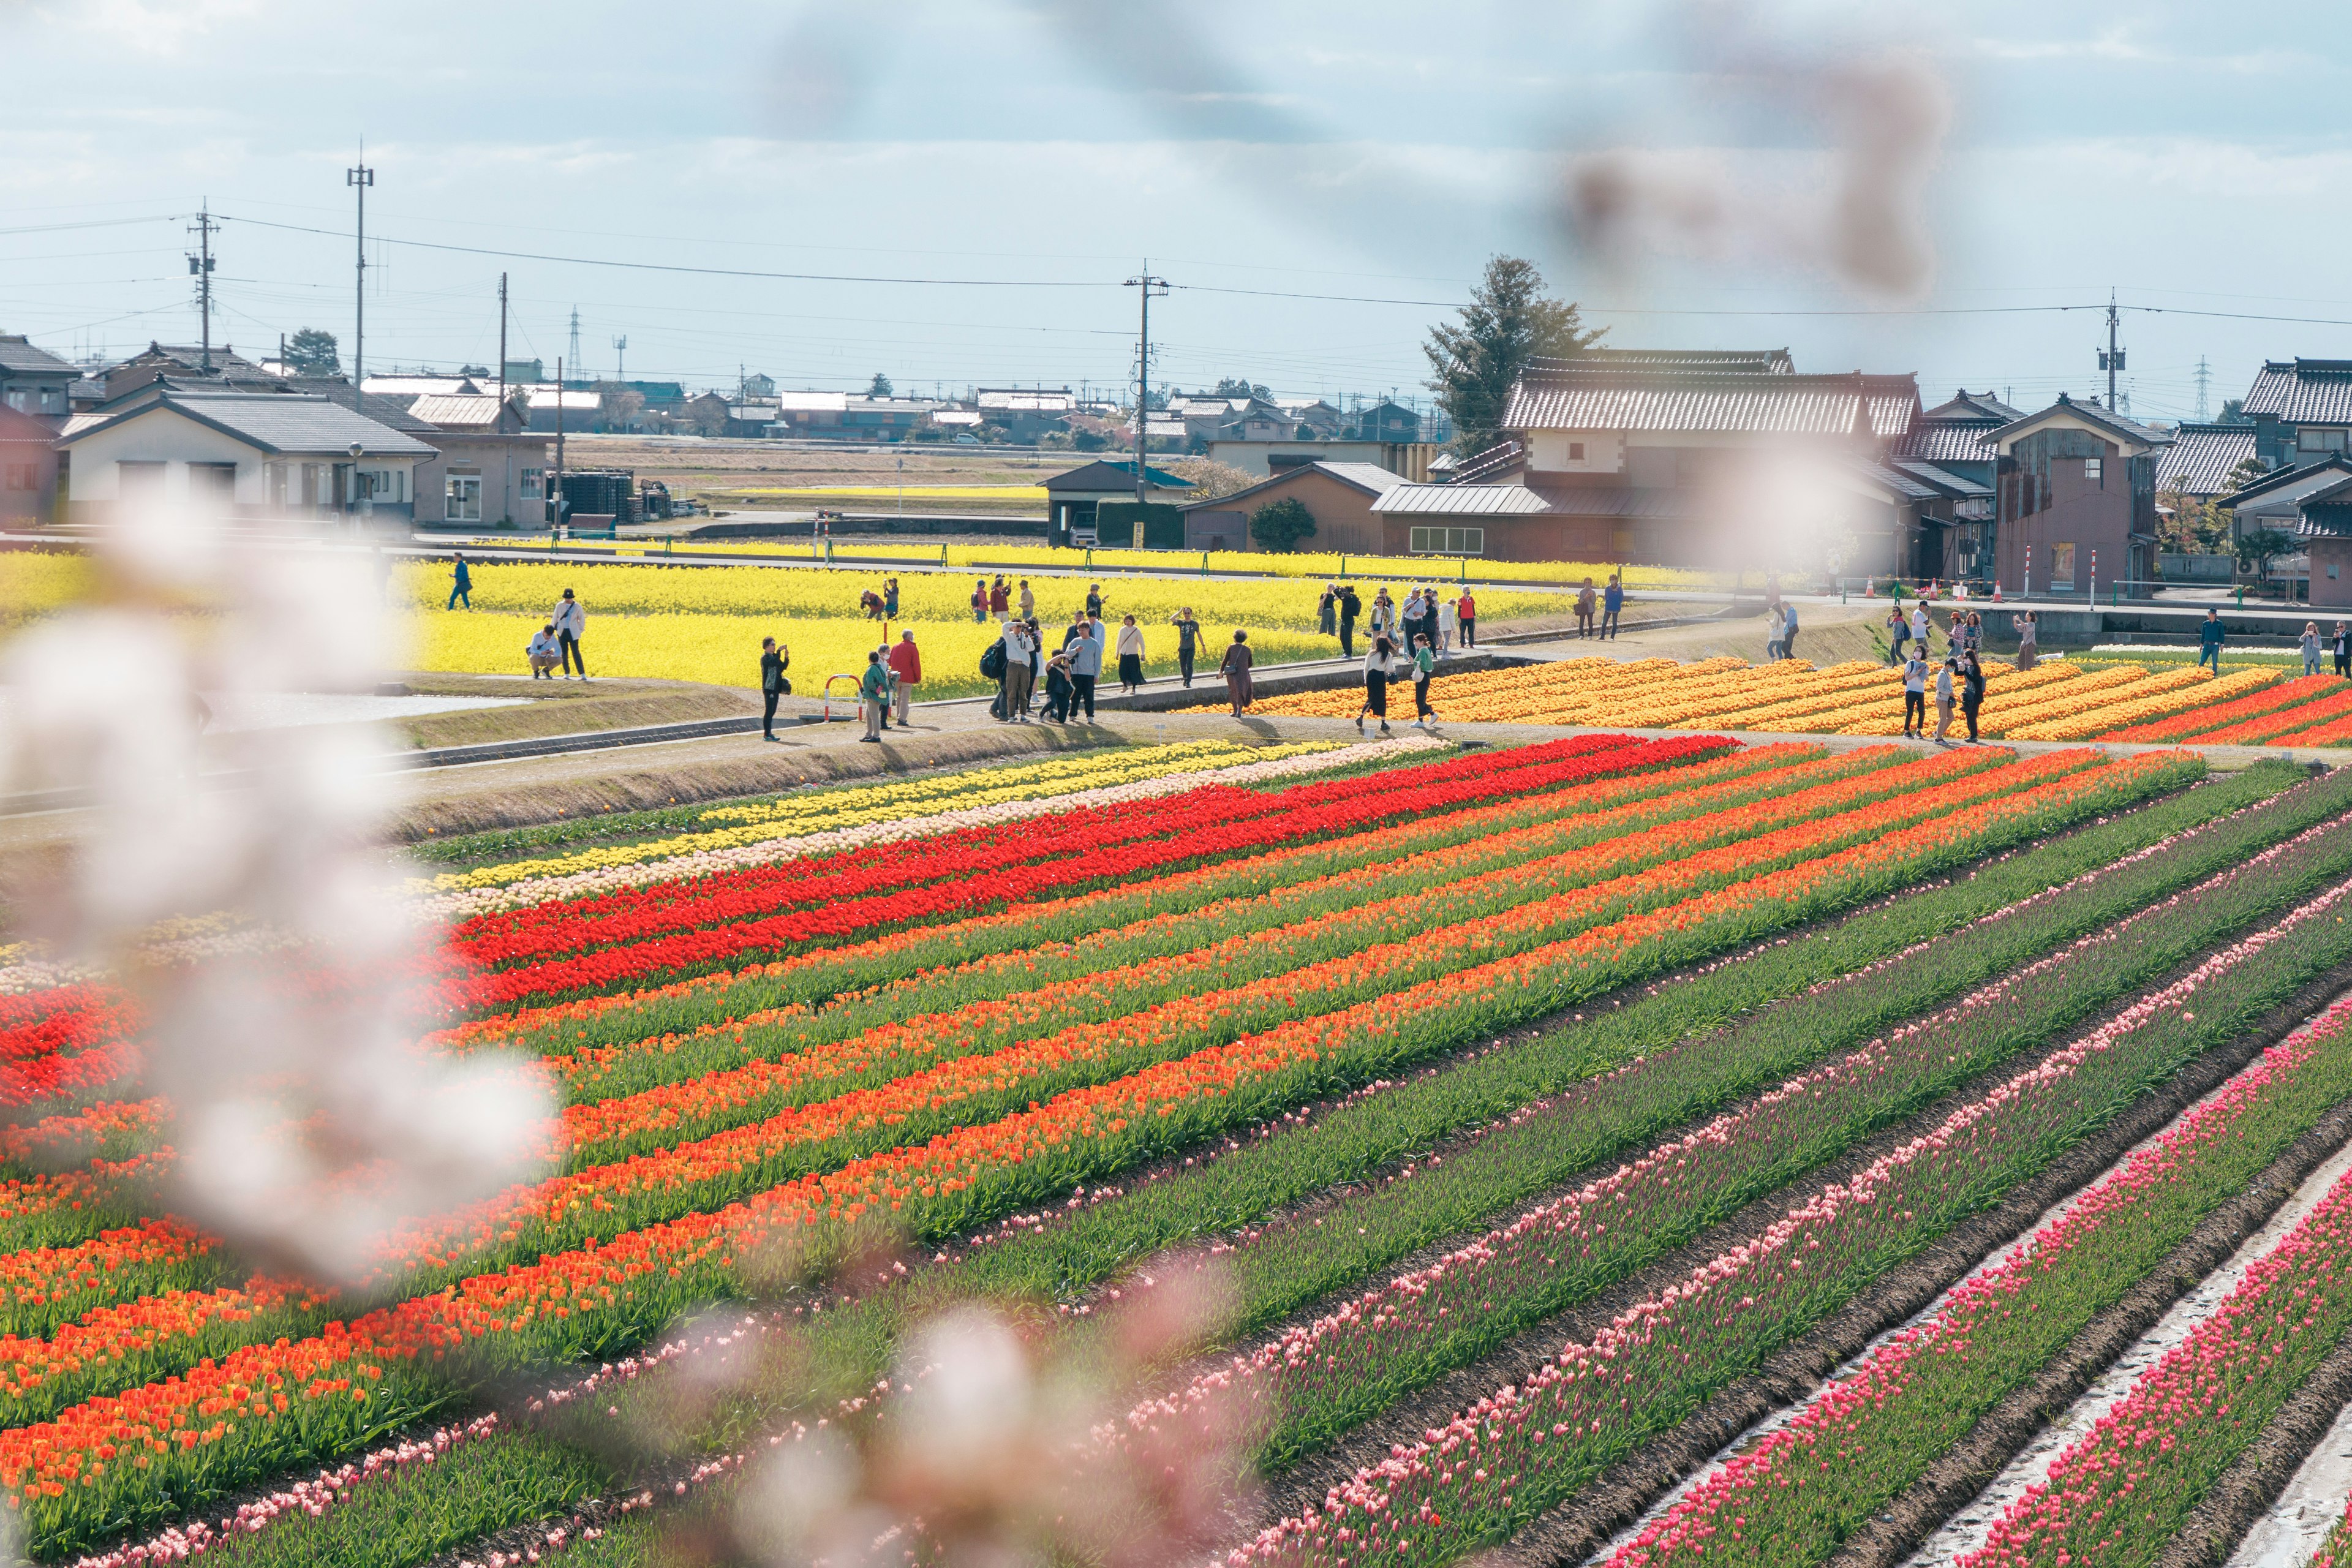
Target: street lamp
(352, 494)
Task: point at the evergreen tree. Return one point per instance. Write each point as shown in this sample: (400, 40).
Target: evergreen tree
(312, 352)
(881, 387)
(1474, 364)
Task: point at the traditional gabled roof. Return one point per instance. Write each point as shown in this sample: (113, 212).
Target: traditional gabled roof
(456, 413)
(1370, 479)
(1571, 394)
(1895, 482)
(276, 423)
(1973, 407)
(1955, 486)
(1937, 442)
(2202, 457)
(1616, 501)
(2294, 483)
(20, 428)
(1484, 467)
(18, 356)
(2116, 425)
(2303, 391)
(1752, 362)
(1113, 473)
(1460, 500)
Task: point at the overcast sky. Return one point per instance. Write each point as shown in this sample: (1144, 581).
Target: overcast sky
(2007, 154)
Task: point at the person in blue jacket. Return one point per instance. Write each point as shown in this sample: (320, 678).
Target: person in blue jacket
(2209, 641)
(1611, 601)
(462, 579)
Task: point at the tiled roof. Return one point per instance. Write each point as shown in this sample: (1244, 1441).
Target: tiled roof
(1481, 467)
(1981, 407)
(2300, 391)
(2292, 483)
(1934, 441)
(1368, 478)
(1616, 501)
(20, 357)
(454, 413)
(1951, 484)
(2202, 457)
(1753, 362)
(1907, 486)
(1567, 395)
(1459, 500)
(2089, 413)
(275, 422)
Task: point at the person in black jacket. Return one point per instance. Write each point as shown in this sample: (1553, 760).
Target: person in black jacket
(773, 662)
(1350, 608)
(1972, 690)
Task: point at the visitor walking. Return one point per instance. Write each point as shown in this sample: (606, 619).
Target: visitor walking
(1028, 601)
(1919, 625)
(1612, 600)
(1944, 674)
(1898, 632)
(2027, 627)
(1383, 618)
(1085, 665)
(1094, 601)
(543, 652)
(1788, 630)
(1467, 608)
(1237, 670)
(1130, 654)
(2343, 649)
(1326, 611)
(980, 601)
(1429, 616)
(1350, 608)
(2311, 648)
(890, 598)
(906, 662)
(461, 579)
(1587, 602)
(773, 662)
(1915, 694)
(1424, 665)
(1376, 685)
(1036, 659)
(1000, 597)
(1449, 625)
(2209, 641)
(1188, 641)
(874, 692)
(1972, 690)
(1772, 633)
(1971, 630)
(570, 620)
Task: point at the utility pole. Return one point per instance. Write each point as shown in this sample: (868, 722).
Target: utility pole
(1149, 286)
(359, 179)
(2204, 380)
(621, 361)
(555, 499)
(502, 346)
(200, 264)
(575, 343)
(2111, 359)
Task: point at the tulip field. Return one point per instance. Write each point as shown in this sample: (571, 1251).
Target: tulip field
(1641, 1150)
(2055, 700)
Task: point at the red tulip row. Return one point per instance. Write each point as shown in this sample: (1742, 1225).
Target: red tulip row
(688, 950)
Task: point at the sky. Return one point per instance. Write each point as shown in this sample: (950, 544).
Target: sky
(955, 194)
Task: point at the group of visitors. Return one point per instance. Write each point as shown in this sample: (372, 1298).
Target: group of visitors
(1608, 602)
(1389, 665)
(880, 605)
(997, 599)
(1962, 675)
(1447, 620)
(1965, 630)
(556, 645)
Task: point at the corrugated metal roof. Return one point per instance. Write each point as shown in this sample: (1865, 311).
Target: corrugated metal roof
(1907, 486)
(1460, 500)
(1944, 479)
(813, 402)
(567, 398)
(278, 422)
(1778, 404)
(2301, 391)
(2202, 457)
(454, 413)
(1615, 500)
(1934, 441)
(1369, 477)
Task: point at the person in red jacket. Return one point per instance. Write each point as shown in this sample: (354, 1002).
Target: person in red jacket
(907, 664)
(1466, 611)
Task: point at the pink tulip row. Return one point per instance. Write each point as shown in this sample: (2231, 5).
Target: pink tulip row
(2121, 1493)
(1759, 1501)
(1590, 1235)
(1527, 1443)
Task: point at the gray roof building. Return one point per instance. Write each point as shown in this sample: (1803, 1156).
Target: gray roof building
(1573, 395)
(2202, 457)
(278, 424)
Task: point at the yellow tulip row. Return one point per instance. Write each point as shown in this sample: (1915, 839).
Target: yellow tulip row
(798, 816)
(2143, 702)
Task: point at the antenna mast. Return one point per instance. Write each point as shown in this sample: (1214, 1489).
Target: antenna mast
(2111, 359)
(1150, 286)
(200, 264)
(359, 179)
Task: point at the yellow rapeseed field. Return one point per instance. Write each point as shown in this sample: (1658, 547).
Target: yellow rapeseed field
(35, 581)
(705, 624)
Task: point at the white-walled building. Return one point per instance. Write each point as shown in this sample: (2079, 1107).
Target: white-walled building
(255, 453)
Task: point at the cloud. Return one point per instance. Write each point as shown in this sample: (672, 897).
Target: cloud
(150, 26)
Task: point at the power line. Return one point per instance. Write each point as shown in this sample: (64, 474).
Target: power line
(705, 271)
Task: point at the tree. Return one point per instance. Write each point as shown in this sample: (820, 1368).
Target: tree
(312, 352)
(2233, 411)
(1282, 525)
(1211, 480)
(2192, 526)
(1234, 386)
(881, 386)
(617, 404)
(1475, 363)
(2259, 547)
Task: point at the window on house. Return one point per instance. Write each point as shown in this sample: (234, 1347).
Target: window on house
(23, 476)
(212, 481)
(20, 398)
(1448, 541)
(2062, 566)
(2318, 441)
(1576, 451)
(530, 481)
(463, 497)
(2091, 472)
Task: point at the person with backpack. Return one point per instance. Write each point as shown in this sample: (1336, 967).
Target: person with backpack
(1424, 665)
(1018, 672)
(773, 662)
(995, 660)
(1060, 689)
(1350, 608)
(980, 601)
(1972, 690)
(873, 690)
